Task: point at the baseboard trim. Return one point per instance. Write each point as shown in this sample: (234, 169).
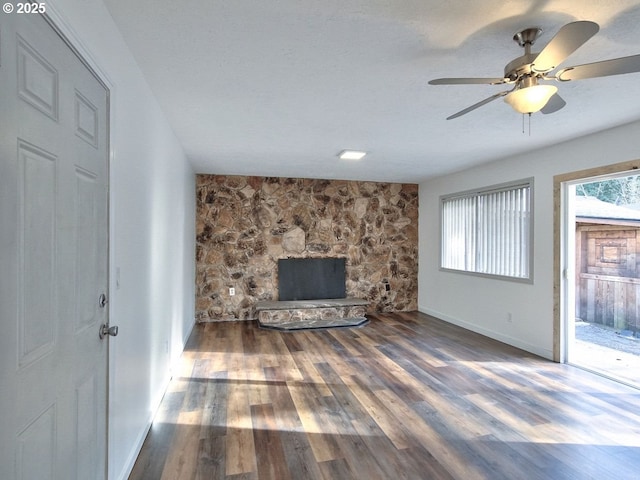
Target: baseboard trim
(135, 452)
(501, 337)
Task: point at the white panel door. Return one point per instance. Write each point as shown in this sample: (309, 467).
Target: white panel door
(53, 257)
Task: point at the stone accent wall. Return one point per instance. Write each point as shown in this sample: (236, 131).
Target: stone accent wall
(245, 224)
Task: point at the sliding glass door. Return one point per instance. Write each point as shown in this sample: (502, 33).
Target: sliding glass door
(602, 289)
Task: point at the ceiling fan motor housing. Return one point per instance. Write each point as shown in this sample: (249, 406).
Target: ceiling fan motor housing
(519, 67)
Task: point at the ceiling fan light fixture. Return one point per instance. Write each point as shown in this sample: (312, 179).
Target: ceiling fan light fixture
(530, 99)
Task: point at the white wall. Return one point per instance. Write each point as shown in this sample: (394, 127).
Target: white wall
(152, 233)
(481, 304)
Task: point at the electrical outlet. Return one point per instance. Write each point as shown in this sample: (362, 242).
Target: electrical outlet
(509, 319)
(232, 291)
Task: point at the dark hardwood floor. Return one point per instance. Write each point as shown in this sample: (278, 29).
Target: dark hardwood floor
(406, 396)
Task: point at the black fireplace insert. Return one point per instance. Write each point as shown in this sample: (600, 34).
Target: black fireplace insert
(311, 278)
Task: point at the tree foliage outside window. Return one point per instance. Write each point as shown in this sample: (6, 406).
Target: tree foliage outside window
(618, 191)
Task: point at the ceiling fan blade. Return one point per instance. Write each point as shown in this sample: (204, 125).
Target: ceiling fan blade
(568, 39)
(555, 103)
(477, 105)
(615, 66)
(467, 81)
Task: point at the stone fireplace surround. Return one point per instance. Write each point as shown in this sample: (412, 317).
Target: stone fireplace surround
(245, 224)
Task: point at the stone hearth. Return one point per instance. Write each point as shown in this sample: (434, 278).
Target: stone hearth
(308, 314)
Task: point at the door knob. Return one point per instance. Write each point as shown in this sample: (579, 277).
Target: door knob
(105, 330)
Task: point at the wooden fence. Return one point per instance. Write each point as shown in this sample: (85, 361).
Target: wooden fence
(608, 280)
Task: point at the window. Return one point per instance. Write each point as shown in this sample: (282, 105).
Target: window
(489, 232)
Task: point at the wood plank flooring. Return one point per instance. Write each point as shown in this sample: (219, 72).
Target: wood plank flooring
(405, 397)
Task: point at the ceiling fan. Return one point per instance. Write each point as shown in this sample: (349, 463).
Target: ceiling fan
(528, 73)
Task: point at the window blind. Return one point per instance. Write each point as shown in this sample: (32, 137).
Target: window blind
(488, 232)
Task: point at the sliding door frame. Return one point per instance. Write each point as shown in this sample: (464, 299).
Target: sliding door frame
(563, 267)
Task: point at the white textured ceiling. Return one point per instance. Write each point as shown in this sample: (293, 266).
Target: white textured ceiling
(279, 87)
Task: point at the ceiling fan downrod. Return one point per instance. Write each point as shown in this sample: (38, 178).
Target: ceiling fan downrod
(527, 37)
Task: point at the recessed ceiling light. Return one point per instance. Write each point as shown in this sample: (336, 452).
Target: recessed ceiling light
(351, 155)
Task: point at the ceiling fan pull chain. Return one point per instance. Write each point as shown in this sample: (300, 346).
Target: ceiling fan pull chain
(523, 116)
